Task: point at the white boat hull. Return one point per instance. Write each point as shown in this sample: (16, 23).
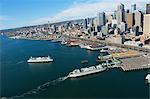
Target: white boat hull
(86, 73)
(39, 61)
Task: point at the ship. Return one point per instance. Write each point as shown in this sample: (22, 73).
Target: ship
(87, 71)
(39, 59)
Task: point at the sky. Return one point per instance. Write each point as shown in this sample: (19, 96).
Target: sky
(18, 13)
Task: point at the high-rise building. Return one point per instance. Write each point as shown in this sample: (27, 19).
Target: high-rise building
(129, 19)
(85, 23)
(114, 14)
(109, 18)
(147, 8)
(101, 19)
(120, 13)
(138, 16)
(95, 24)
(146, 27)
(133, 8)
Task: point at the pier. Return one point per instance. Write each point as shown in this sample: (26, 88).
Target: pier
(135, 63)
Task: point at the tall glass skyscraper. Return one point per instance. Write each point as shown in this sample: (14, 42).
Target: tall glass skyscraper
(101, 19)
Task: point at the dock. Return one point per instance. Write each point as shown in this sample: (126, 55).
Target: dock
(135, 63)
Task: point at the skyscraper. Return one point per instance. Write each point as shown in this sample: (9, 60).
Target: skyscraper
(133, 8)
(85, 23)
(138, 16)
(129, 19)
(147, 8)
(146, 27)
(101, 19)
(120, 13)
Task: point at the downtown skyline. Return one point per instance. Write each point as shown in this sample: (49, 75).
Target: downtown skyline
(34, 12)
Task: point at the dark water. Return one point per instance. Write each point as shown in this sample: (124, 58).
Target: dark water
(18, 78)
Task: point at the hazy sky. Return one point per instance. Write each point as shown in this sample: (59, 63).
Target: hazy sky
(17, 13)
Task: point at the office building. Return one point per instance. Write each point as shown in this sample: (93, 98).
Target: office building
(138, 17)
(101, 19)
(146, 27)
(104, 30)
(147, 8)
(129, 19)
(85, 23)
(120, 13)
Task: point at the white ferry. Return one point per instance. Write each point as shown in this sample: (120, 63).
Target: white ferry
(86, 71)
(39, 59)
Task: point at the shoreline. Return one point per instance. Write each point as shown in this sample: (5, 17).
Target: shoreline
(55, 37)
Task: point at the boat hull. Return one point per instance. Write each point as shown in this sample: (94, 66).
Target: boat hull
(86, 73)
(47, 61)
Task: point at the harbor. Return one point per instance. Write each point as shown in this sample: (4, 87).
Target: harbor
(129, 58)
(44, 80)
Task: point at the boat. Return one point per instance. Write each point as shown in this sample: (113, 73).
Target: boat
(2, 33)
(63, 42)
(148, 78)
(104, 50)
(84, 61)
(39, 59)
(84, 46)
(87, 71)
(74, 43)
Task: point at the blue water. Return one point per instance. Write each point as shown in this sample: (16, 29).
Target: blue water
(18, 78)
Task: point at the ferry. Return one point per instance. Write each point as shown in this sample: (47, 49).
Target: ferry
(86, 71)
(148, 78)
(39, 59)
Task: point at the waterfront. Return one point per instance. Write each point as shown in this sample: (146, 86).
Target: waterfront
(19, 77)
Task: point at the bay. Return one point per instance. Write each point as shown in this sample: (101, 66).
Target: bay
(19, 78)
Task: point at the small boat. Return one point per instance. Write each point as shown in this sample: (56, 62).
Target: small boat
(103, 50)
(148, 78)
(84, 61)
(39, 59)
